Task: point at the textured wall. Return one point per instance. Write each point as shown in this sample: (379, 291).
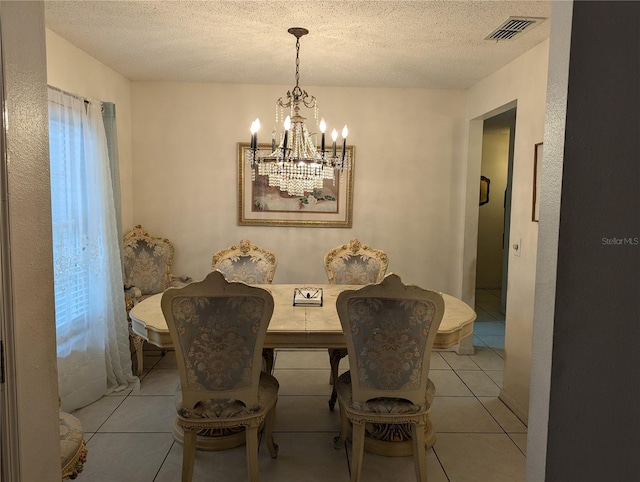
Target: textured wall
(546, 263)
(36, 414)
(407, 193)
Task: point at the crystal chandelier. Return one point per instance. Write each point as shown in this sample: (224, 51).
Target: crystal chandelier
(297, 165)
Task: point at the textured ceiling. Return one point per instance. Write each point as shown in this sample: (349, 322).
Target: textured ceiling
(421, 44)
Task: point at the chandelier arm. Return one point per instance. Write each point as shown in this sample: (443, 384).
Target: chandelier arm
(297, 165)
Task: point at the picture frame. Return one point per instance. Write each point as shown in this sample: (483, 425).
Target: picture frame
(537, 170)
(485, 184)
(261, 205)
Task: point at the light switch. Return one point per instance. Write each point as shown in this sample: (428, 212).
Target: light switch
(516, 245)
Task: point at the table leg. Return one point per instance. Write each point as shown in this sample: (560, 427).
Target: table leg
(268, 357)
(465, 347)
(138, 343)
(335, 355)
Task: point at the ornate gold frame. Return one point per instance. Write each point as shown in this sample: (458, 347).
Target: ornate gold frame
(537, 171)
(248, 216)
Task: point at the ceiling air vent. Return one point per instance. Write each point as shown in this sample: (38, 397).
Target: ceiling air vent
(513, 27)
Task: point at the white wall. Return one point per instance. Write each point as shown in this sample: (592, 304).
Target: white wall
(407, 177)
(74, 71)
(524, 80)
(546, 269)
(30, 394)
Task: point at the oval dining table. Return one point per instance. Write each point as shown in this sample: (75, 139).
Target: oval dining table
(305, 326)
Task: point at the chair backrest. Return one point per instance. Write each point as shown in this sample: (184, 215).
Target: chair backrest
(390, 329)
(355, 264)
(147, 261)
(246, 262)
(218, 330)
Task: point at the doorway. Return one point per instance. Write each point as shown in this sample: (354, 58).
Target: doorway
(498, 134)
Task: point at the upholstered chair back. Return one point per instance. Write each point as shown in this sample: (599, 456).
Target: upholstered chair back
(246, 262)
(218, 330)
(390, 328)
(147, 261)
(355, 264)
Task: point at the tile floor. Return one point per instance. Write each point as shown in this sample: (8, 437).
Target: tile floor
(478, 438)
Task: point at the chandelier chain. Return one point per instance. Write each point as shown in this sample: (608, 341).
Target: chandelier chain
(297, 61)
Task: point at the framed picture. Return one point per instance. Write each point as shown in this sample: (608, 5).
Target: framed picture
(485, 184)
(262, 205)
(537, 170)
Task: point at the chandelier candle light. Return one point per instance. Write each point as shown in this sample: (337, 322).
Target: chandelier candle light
(296, 165)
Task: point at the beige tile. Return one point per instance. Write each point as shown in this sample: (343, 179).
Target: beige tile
(125, 457)
(121, 393)
(168, 360)
(158, 382)
(304, 382)
(448, 384)
(486, 359)
(306, 414)
(498, 351)
(497, 376)
(479, 383)
(302, 359)
(398, 469)
(142, 414)
(437, 362)
(459, 362)
(462, 414)
(93, 416)
(482, 315)
(481, 457)
(301, 456)
(493, 308)
(148, 362)
(505, 417)
(520, 440)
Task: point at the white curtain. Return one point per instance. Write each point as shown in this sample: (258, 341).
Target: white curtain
(91, 322)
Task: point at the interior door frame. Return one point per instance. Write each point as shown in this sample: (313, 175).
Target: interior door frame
(9, 433)
(507, 216)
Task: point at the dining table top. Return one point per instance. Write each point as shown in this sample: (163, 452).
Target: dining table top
(304, 326)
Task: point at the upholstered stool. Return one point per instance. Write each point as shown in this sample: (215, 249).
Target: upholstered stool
(73, 451)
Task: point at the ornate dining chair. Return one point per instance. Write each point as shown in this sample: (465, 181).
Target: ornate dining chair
(73, 451)
(218, 329)
(246, 262)
(147, 271)
(250, 264)
(390, 329)
(351, 264)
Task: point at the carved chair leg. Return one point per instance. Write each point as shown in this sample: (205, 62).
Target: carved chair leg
(419, 452)
(357, 451)
(252, 452)
(268, 431)
(335, 355)
(188, 454)
(338, 441)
